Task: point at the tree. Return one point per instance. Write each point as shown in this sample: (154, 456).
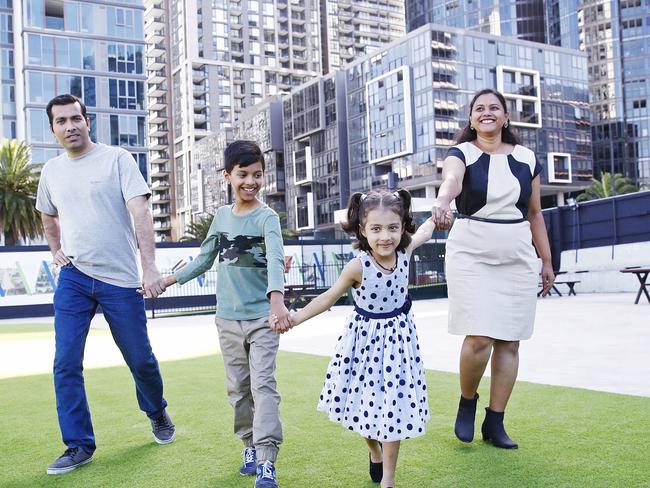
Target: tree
(603, 188)
(19, 218)
(198, 231)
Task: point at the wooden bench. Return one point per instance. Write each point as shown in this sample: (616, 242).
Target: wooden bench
(569, 283)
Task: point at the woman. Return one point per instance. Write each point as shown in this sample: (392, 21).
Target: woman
(492, 268)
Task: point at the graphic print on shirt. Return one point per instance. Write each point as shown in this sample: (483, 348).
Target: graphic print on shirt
(242, 251)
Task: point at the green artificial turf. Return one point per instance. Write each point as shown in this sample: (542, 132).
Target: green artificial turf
(568, 437)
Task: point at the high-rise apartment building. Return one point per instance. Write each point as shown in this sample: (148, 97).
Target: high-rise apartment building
(91, 49)
(388, 118)
(524, 19)
(7, 72)
(353, 28)
(615, 34)
(209, 60)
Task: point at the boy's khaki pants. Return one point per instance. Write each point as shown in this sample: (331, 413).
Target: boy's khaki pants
(249, 348)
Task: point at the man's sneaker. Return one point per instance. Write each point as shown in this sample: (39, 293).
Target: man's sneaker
(163, 429)
(249, 466)
(72, 458)
(266, 476)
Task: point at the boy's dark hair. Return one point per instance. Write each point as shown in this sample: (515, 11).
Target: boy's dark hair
(65, 99)
(362, 203)
(242, 153)
(508, 134)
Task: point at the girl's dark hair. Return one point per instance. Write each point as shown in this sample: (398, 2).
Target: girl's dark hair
(508, 134)
(362, 203)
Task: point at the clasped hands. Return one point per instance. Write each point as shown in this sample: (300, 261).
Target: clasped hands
(441, 215)
(280, 326)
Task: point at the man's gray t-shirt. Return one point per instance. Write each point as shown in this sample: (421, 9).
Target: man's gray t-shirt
(89, 195)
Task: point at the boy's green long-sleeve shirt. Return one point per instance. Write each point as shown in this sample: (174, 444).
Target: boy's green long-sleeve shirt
(250, 265)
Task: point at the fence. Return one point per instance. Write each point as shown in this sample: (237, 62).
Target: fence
(199, 295)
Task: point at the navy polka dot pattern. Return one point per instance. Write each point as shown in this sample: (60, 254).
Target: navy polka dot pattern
(375, 382)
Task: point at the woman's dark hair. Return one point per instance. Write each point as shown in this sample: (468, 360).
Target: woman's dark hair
(508, 134)
(65, 99)
(242, 153)
(362, 203)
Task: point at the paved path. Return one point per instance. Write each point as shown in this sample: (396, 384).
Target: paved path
(595, 341)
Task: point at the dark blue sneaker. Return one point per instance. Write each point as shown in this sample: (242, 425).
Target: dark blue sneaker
(72, 458)
(163, 429)
(249, 466)
(266, 476)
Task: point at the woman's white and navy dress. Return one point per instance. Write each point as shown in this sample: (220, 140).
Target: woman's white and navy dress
(375, 382)
(491, 265)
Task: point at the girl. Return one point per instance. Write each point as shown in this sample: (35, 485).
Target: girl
(375, 382)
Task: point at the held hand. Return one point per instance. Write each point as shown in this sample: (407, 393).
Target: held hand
(279, 319)
(152, 283)
(60, 259)
(441, 215)
(548, 277)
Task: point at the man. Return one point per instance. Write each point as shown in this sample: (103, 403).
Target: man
(94, 206)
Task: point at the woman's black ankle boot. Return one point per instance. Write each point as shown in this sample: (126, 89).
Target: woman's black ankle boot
(493, 430)
(464, 428)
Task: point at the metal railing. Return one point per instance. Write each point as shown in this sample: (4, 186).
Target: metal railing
(199, 294)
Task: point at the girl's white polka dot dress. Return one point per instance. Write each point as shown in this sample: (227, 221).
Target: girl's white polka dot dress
(375, 382)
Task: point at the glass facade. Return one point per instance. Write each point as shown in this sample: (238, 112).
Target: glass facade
(95, 52)
(393, 115)
(615, 35)
(351, 29)
(524, 19)
(7, 72)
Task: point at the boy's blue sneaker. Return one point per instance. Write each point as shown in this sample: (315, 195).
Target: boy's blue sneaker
(72, 458)
(249, 466)
(266, 476)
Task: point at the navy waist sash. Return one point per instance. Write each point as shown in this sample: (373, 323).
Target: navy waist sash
(492, 221)
(404, 309)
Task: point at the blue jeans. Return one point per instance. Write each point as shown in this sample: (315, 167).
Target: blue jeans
(75, 302)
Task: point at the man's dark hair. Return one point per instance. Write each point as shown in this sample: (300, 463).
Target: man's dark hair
(65, 99)
(242, 153)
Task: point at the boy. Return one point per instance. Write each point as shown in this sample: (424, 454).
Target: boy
(247, 239)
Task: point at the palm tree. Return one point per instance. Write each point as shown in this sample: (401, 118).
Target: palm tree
(198, 231)
(603, 188)
(19, 218)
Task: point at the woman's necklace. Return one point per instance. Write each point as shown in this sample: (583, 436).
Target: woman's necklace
(390, 270)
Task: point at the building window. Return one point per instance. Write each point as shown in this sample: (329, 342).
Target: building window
(521, 89)
(305, 211)
(125, 58)
(128, 94)
(127, 130)
(559, 168)
(389, 115)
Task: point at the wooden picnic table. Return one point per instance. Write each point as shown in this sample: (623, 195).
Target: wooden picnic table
(642, 276)
(294, 294)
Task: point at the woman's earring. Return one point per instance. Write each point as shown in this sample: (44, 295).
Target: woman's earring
(471, 127)
(505, 126)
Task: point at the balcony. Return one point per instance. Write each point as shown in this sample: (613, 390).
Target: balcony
(154, 36)
(157, 104)
(160, 184)
(158, 170)
(157, 89)
(199, 89)
(160, 212)
(155, 64)
(156, 76)
(153, 10)
(158, 130)
(158, 144)
(159, 157)
(198, 75)
(155, 50)
(160, 198)
(157, 117)
(200, 118)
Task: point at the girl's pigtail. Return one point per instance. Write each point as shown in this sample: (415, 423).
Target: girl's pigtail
(405, 197)
(354, 208)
